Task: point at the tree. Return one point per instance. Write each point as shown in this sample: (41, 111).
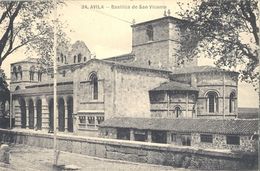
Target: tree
(225, 30)
(29, 24)
(4, 94)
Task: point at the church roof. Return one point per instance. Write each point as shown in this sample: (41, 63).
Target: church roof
(215, 126)
(198, 69)
(248, 113)
(46, 88)
(79, 44)
(30, 60)
(173, 85)
(168, 18)
(122, 65)
(121, 58)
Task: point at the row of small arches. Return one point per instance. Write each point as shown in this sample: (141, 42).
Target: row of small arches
(212, 101)
(36, 123)
(77, 58)
(18, 73)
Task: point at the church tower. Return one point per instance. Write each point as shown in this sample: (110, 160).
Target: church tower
(155, 43)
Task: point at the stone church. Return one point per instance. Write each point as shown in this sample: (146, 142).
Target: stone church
(146, 83)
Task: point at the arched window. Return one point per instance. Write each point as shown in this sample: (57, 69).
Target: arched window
(149, 32)
(79, 58)
(75, 59)
(39, 76)
(20, 72)
(177, 111)
(32, 71)
(94, 86)
(212, 102)
(15, 73)
(232, 102)
(149, 62)
(85, 58)
(62, 60)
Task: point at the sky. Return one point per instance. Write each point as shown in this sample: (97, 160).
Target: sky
(105, 27)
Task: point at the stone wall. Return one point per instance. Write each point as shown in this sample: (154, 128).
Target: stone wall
(82, 91)
(132, 91)
(212, 81)
(219, 142)
(123, 92)
(160, 107)
(160, 52)
(143, 152)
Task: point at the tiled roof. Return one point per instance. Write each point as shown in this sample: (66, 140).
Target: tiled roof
(236, 126)
(170, 18)
(248, 113)
(173, 85)
(44, 88)
(31, 60)
(121, 58)
(197, 69)
(248, 110)
(121, 65)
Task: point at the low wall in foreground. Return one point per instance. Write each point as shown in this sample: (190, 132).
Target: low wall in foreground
(162, 154)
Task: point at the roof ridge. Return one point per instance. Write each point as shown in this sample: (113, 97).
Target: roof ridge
(197, 125)
(119, 56)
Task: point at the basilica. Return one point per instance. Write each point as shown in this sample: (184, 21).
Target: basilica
(148, 83)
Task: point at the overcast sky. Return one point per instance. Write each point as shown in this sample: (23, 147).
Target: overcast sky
(107, 31)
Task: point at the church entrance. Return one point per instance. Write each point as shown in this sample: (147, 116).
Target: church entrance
(51, 116)
(23, 112)
(39, 114)
(61, 115)
(31, 114)
(70, 116)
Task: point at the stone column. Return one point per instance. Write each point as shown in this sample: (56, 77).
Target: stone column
(187, 104)
(27, 115)
(196, 109)
(16, 113)
(45, 114)
(75, 123)
(224, 95)
(149, 136)
(35, 113)
(66, 114)
(168, 104)
(169, 138)
(132, 136)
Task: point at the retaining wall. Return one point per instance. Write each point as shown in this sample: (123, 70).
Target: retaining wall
(162, 154)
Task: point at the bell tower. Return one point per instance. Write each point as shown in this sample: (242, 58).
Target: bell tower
(155, 43)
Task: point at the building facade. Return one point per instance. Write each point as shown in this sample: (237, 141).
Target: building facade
(232, 135)
(148, 82)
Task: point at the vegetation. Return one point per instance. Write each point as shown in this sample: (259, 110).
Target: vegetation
(29, 24)
(225, 30)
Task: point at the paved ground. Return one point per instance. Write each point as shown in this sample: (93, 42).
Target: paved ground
(25, 158)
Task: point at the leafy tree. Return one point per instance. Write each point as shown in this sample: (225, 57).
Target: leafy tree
(29, 24)
(225, 30)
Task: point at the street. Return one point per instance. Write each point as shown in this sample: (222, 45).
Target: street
(26, 158)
